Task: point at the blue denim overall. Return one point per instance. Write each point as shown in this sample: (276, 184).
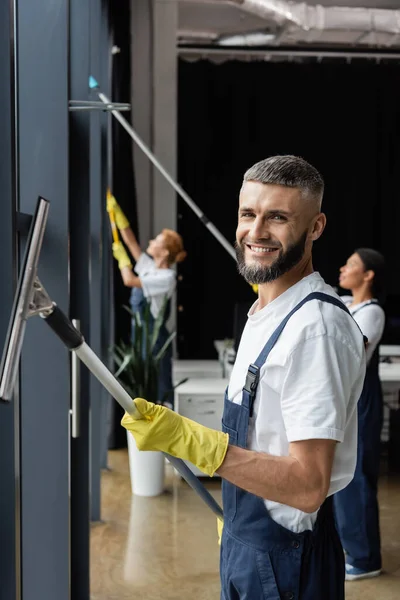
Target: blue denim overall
(138, 304)
(260, 559)
(356, 507)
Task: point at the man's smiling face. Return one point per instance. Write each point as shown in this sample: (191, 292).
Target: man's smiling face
(272, 233)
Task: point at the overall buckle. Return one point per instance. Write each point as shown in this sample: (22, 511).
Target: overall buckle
(252, 380)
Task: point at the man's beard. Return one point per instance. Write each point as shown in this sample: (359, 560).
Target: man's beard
(257, 273)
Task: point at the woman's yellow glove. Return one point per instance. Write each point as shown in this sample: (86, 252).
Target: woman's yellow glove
(220, 527)
(164, 430)
(121, 255)
(113, 206)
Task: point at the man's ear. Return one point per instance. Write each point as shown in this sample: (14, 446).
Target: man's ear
(318, 226)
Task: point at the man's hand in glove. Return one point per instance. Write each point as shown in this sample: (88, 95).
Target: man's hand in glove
(121, 255)
(162, 429)
(120, 218)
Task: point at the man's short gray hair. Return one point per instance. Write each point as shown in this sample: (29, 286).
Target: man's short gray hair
(290, 171)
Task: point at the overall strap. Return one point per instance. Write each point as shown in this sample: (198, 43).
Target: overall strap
(373, 364)
(373, 301)
(253, 372)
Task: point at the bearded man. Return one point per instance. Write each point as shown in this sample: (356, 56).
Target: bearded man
(289, 428)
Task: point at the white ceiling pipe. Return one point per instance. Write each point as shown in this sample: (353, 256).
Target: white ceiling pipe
(247, 39)
(197, 34)
(267, 9)
(324, 18)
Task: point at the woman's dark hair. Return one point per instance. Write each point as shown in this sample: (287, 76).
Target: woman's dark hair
(374, 261)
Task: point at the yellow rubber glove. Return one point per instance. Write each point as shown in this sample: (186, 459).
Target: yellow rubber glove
(255, 287)
(121, 255)
(220, 527)
(164, 430)
(113, 206)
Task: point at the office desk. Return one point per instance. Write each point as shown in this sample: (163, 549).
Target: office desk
(196, 369)
(390, 378)
(389, 372)
(389, 350)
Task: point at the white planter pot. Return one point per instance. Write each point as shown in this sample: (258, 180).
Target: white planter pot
(147, 470)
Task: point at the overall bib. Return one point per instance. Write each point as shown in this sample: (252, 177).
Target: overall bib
(138, 304)
(260, 559)
(356, 507)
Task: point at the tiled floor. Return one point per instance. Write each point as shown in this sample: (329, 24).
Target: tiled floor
(165, 548)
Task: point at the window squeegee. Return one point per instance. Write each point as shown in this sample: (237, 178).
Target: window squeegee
(31, 299)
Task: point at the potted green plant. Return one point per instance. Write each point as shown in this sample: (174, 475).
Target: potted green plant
(138, 364)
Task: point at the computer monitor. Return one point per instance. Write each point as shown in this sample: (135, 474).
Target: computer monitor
(24, 294)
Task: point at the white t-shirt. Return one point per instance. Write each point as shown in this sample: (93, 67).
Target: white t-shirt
(309, 386)
(156, 283)
(371, 320)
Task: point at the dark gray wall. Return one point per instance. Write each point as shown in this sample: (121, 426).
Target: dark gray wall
(142, 110)
(88, 50)
(79, 199)
(45, 387)
(8, 509)
(154, 115)
(45, 511)
(97, 209)
(107, 295)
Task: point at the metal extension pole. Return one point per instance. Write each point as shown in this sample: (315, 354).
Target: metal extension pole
(100, 371)
(210, 226)
(75, 342)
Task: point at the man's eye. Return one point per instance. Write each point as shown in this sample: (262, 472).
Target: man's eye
(246, 215)
(278, 218)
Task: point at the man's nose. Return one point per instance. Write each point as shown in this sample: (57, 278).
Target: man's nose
(259, 230)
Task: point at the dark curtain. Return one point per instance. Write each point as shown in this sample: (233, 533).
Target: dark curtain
(343, 118)
(123, 183)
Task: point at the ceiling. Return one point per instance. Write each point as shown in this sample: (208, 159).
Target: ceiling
(214, 22)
